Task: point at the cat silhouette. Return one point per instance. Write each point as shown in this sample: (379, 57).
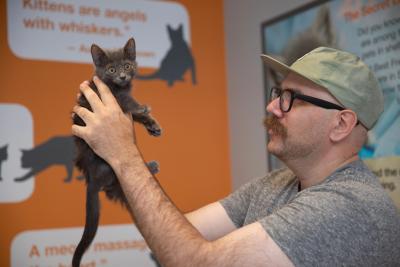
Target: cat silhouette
(176, 62)
(55, 151)
(3, 157)
(320, 33)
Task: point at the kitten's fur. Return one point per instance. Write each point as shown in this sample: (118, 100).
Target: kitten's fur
(58, 150)
(177, 60)
(115, 68)
(3, 157)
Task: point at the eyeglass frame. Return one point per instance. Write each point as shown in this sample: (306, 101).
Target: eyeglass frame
(309, 99)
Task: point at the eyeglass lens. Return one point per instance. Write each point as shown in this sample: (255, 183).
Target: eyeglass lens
(285, 98)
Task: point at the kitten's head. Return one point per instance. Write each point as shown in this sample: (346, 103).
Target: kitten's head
(118, 66)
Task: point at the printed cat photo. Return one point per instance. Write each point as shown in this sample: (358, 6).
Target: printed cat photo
(320, 33)
(116, 68)
(176, 62)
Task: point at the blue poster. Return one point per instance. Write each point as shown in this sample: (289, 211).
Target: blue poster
(369, 29)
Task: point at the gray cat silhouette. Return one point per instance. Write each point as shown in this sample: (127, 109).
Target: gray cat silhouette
(176, 62)
(3, 157)
(58, 150)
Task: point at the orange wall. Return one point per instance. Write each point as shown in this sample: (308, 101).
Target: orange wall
(193, 151)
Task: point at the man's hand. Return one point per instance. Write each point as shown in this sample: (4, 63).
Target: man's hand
(108, 131)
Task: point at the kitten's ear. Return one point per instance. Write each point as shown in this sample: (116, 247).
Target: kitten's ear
(99, 56)
(130, 49)
(180, 28)
(169, 29)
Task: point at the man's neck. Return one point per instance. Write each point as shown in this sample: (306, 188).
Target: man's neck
(312, 171)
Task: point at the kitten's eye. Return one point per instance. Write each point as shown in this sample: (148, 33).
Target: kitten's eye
(127, 66)
(111, 70)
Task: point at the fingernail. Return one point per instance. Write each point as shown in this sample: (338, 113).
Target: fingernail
(95, 78)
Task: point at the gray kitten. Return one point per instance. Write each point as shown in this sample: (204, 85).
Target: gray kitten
(116, 69)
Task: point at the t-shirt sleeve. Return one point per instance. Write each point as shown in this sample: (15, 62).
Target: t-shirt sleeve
(237, 203)
(317, 229)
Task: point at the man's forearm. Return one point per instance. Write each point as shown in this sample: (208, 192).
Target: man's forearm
(167, 232)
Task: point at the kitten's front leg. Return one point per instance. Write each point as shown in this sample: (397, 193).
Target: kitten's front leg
(147, 120)
(141, 114)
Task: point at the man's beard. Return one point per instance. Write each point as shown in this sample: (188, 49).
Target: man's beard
(289, 148)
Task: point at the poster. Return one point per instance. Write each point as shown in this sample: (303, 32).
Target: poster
(369, 29)
(45, 52)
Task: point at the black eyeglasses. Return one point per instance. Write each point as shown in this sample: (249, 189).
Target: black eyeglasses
(287, 96)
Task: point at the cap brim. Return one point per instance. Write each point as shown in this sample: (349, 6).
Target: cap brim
(277, 66)
(281, 68)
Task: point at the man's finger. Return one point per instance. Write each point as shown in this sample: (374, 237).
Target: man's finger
(78, 95)
(83, 113)
(91, 96)
(78, 131)
(106, 96)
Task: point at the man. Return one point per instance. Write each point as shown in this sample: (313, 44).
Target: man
(325, 209)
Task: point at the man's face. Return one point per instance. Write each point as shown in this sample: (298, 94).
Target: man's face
(304, 129)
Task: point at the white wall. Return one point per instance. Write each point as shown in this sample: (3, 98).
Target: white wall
(243, 20)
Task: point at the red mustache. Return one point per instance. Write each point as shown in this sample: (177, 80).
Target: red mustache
(271, 122)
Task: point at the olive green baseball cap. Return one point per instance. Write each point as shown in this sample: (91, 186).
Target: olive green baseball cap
(344, 75)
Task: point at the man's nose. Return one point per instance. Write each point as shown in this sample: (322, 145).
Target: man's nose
(273, 108)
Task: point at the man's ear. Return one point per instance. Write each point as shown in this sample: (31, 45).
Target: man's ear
(345, 121)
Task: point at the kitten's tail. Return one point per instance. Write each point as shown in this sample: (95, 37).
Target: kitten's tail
(91, 224)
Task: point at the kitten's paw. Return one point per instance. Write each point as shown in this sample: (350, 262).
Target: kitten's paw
(154, 130)
(153, 166)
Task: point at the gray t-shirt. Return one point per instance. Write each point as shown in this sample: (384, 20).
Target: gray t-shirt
(347, 220)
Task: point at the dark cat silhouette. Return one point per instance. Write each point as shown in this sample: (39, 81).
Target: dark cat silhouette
(56, 150)
(320, 33)
(3, 157)
(116, 68)
(177, 60)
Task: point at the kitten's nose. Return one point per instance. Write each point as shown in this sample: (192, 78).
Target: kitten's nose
(122, 76)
